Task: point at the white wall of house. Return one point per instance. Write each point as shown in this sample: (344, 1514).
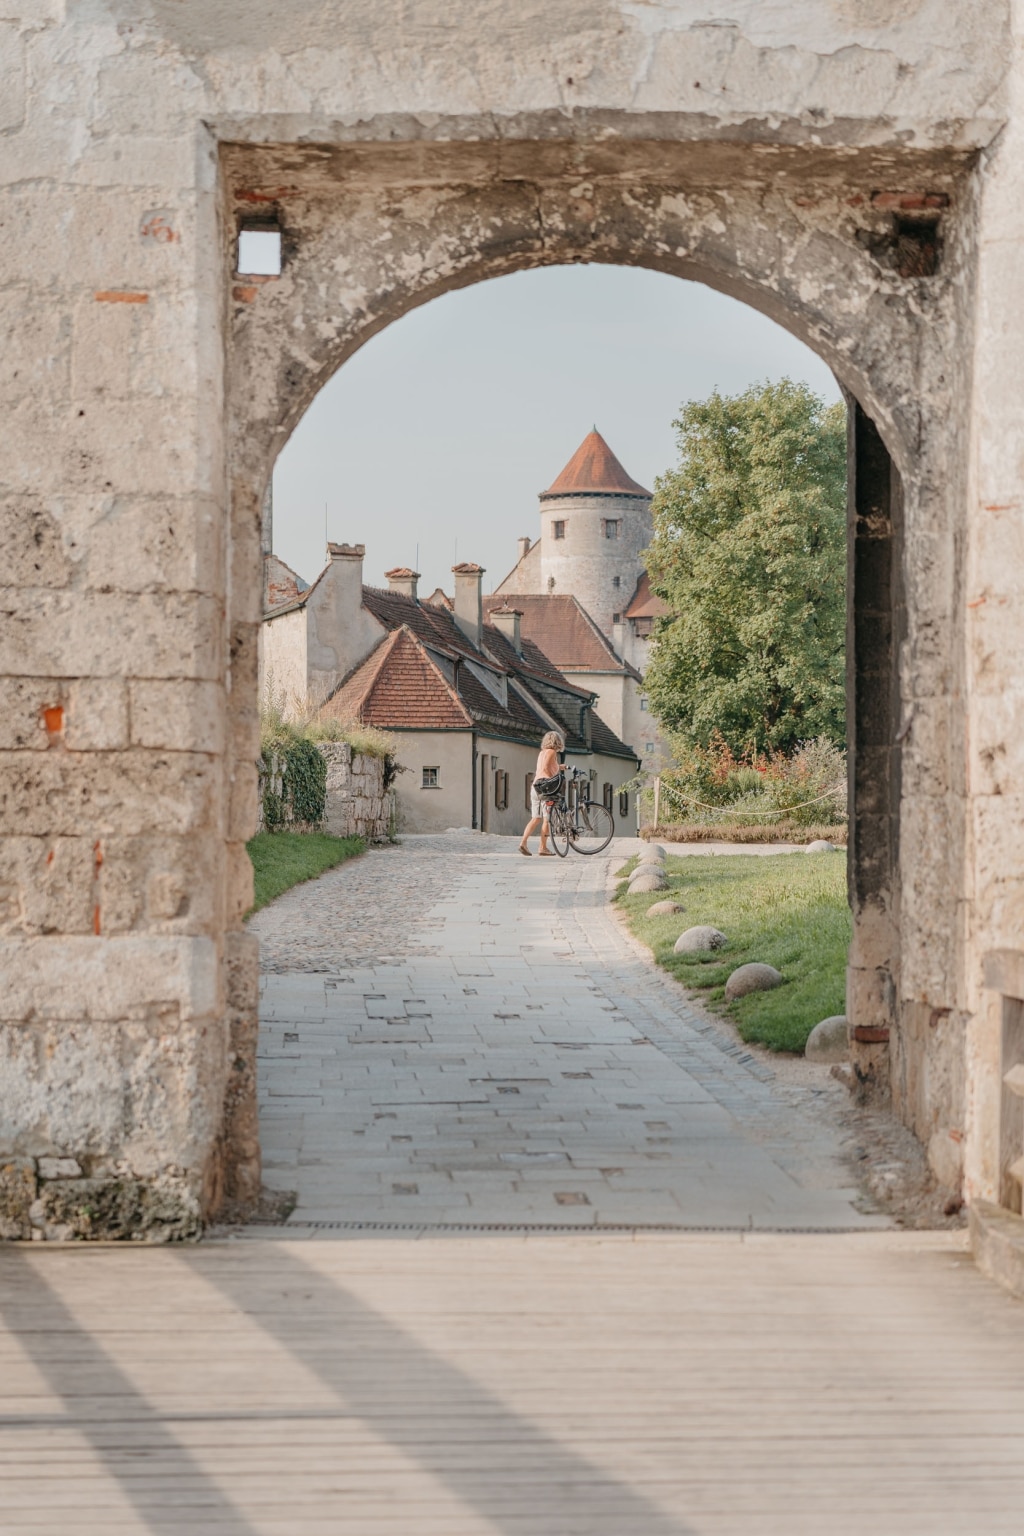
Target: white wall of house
(283, 663)
(448, 802)
(341, 632)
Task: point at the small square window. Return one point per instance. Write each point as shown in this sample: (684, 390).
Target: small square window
(431, 778)
(611, 527)
(259, 252)
(616, 582)
(558, 530)
(616, 618)
(643, 702)
(649, 746)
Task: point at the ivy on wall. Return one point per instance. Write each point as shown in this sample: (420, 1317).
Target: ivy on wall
(303, 779)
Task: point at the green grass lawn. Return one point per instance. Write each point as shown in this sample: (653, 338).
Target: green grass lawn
(788, 909)
(283, 859)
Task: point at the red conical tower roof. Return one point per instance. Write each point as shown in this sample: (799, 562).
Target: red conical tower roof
(594, 470)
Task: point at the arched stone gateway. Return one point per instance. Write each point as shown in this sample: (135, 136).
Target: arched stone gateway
(834, 171)
(370, 232)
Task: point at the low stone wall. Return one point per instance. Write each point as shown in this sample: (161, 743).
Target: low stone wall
(358, 805)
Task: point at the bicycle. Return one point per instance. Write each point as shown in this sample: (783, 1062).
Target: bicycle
(576, 821)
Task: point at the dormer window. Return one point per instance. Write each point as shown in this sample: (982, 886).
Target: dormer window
(558, 530)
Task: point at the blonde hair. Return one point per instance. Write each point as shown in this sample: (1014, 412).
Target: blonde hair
(552, 739)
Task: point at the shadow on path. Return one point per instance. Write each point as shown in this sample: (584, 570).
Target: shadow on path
(513, 1473)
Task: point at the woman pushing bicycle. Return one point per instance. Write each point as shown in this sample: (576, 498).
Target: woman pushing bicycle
(546, 783)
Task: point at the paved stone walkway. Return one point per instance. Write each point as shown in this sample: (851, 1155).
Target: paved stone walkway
(453, 1034)
(308, 1381)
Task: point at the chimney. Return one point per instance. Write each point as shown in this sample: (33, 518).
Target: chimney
(346, 580)
(524, 548)
(508, 621)
(349, 559)
(401, 579)
(469, 608)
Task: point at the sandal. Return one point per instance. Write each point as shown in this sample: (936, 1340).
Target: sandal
(525, 851)
(545, 853)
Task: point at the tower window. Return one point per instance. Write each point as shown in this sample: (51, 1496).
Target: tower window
(611, 527)
(616, 618)
(616, 582)
(558, 530)
(643, 701)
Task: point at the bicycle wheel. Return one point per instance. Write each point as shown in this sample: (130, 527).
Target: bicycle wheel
(559, 830)
(595, 827)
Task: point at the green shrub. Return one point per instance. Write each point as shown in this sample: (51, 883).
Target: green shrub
(711, 784)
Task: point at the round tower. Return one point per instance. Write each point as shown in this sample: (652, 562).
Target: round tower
(595, 520)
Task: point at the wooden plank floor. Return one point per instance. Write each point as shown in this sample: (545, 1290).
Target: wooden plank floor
(684, 1385)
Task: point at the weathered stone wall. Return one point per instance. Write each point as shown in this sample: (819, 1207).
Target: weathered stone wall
(781, 153)
(357, 805)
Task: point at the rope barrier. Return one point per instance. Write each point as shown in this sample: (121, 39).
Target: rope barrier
(719, 810)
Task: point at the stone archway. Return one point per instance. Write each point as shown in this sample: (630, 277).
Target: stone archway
(859, 255)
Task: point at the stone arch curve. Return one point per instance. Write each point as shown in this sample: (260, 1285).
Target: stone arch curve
(361, 255)
(371, 231)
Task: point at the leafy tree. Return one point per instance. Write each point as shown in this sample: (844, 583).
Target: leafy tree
(749, 552)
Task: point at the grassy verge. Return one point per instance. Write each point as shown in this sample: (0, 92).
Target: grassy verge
(283, 859)
(788, 909)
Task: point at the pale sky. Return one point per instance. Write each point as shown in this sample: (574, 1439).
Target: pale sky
(441, 431)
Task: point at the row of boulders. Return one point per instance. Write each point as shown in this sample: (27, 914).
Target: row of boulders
(828, 1041)
(649, 876)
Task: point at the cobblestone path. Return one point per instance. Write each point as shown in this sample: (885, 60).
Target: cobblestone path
(453, 1035)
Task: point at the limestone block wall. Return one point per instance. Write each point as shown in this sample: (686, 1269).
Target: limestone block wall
(358, 805)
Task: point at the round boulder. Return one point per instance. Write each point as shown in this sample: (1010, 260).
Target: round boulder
(653, 851)
(829, 1041)
(664, 909)
(697, 940)
(752, 977)
(646, 881)
(648, 869)
(821, 845)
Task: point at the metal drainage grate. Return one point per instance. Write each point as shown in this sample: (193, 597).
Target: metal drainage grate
(538, 1226)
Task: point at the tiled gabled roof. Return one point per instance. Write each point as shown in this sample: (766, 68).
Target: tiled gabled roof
(594, 470)
(645, 604)
(562, 629)
(433, 625)
(399, 685)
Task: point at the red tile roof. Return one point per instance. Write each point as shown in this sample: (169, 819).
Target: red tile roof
(594, 469)
(562, 629)
(419, 677)
(399, 685)
(401, 570)
(644, 603)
